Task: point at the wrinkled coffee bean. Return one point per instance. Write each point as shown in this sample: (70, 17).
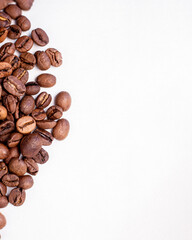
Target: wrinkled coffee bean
(13, 153)
(3, 34)
(25, 4)
(25, 124)
(13, 11)
(2, 221)
(24, 23)
(54, 112)
(17, 196)
(14, 86)
(32, 88)
(5, 20)
(46, 137)
(5, 69)
(13, 60)
(38, 114)
(3, 202)
(61, 130)
(24, 44)
(46, 124)
(28, 60)
(32, 167)
(17, 166)
(27, 105)
(21, 74)
(3, 169)
(3, 189)
(25, 182)
(42, 156)
(10, 180)
(43, 61)
(46, 80)
(40, 37)
(14, 32)
(3, 113)
(6, 127)
(14, 139)
(54, 56)
(6, 50)
(43, 100)
(10, 102)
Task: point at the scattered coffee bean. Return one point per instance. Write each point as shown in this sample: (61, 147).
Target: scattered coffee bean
(21, 74)
(42, 156)
(5, 69)
(25, 125)
(24, 44)
(24, 23)
(43, 100)
(43, 61)
(40, 37)
(61, 130)
(10, 180)
(32, 167)
(46, 80)
(14, 86)
(3, 189)
(54, 112)
(32, 88)
(17, 196)
(25, 4)
(6, 127)
(25, 182)
(3, 169)
(38, 114)
(2, 221)
(6, 50)
(13, 60)
(63, 100)
(3, 34)
(3, 202)
(14, 32)
(28, 61)
(13, 11)
(3, 113)
(46, 124)
(46, 137)
(54, 56)
(14, 139)
(27, 104)
(17, 166)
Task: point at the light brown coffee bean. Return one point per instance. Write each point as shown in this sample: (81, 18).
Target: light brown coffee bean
(4, 151)
(63, 100)
(17, 166)
(46, 80)
(61, 130)
(25, 124)
(46, 124)
(26, 182)
(3, 113)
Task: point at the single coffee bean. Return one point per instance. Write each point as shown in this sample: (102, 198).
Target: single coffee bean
(38, 114)
(54, 56)
(14, 32)
(25, 4)
(6, 50)
(3, 113)
(46, 124)
(25, 124)
(25, 182)
(3, 189)
(17, 196)
(43, 61)
(42, 156)
(6, 127)
(24, 44)
(30, 145)
(32, 88)
(17, 112)
(13, 11)
(24, 23)
(27, 104)
(21, 74)
(3, 34)
(28, 60)
(2, 221)
(5, 69)
(10, 180)
(61, 130)
(14, 86)
(40, 37)
(54, 112)
(3, 202)
(14, 139)
(63, 100)
(3, 169)
(32, 167)
(46, 80)
(46, 137)
(17, 166)
(4, 138)
(10, 102)
(5, 20)
(43, 100)
(13, 60)
(4, 151)
(13, 153)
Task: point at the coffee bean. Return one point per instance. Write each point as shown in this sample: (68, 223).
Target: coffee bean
(25, 182)
(46, 124)
(3, 189)
(27, 104)
(43, 61)
(3, 169)
(42, 156)
(14, 139)
(4, 4)
(54, 112)
(13, 153)
(25, 4)
(5, 20)
(3, 34)
(43, 100)
(17, 196)
(46, 137)
(38, 114)
(32, 167)
(40, 37)
(61, 130)
(10, 102)
(25, 124)
(24, 23)
(17, 166)
(21, 74)
(3, 113)
(6, 127)
(46, 80)
(3, 202)
(13, 60)
(28, 60)
(4, 138)
(14, 32)
(6, 50)
(32, 88)
(14, 86)
(5, 69)
(17, 112)
(2, 221)
(13, 11)
(24, 44)
(10, 180)
(54, 56)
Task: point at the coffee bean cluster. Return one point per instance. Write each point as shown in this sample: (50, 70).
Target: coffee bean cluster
(27, 121)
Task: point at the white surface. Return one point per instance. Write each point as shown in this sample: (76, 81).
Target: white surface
(125, 171)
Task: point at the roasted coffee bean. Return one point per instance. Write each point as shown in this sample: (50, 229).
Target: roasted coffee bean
(25, 182)
(25, 4)
(2, 221)
(46, 124)
(38, 114)
(4, 138)
(25, 124)
(42, 156)
(3, 169)
(13, 153)
(17, 196)
(6, 127)
(61, 130)
(17, 166)
(14, 32)
(32, 167)
(14, 139)
(27, 104)
(4, 3)
(14, 86)
(21, 74)
(3, 34)
(13, 11)
(3, 202)
(46, 137)
(17, 113)
(46, 80)
(40, 37)
(28, 60)
(54, 56)
(6, 50)
(24, 23)
(30, 145)
(32, 88)
(5, 20)
(5, 69)
(43, 100)
(10, 180)
(3, 113)
(3, 189)
(24, 44)
(10, 102)
(10, 117)
(13, 60)
(43, 61)
(54, 112)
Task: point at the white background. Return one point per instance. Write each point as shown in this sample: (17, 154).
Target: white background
(125, 171)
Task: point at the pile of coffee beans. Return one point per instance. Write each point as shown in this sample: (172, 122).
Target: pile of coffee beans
(27, 121)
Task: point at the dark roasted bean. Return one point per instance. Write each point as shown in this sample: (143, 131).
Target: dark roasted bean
(6, 127)
(42, 156)
(14, 32)
(14, 86)
(28, 60)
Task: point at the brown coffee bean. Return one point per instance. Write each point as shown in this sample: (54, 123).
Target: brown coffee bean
(14, 86)
(63, 100)
(43, 100)
(32, 88)
(17, 196)
(10, 180)
(54, 112)
(14, 32)
(17, 112)
(28, 60)
(2, 221)
(10, 102)
(25, 124)
(43, 61)
(27, 104)
(14, 139)
(61, 130)
(21, 74)
(13, 60)
(24, 23)
(17, 166)
(54, 56)
(13, 11)
(38, 114)
(3, 169)
(4, 3)
(3, 113)
(5, 20)
(4, 138)
(25, 4)
(4, 151)
(25, 182)
(3, 189)
(40, 37)
(46, 124)
(42, 156)
(46, 80)
(13, 153)
(24, 44)
(6, 127)
(30, 145)
(46, 137)
(32, 167)
(6, 50)
(3, 34)
(5, 69)
(3, 202)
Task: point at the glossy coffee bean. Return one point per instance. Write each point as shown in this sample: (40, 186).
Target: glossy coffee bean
(5, 20)
(46, 124)
(3, 202)
(13, 11)
(3, 113)
(26, 182)
(32, 167)
(25, 125)
(6, 50)
(6, 127)
(3, 169)
(10, 102)
(4, 151)
(10, 180)
(38, 114)
(63, 100)
(2, 221)
(24, 23)
(54, 56)
(17, 166)
(61, 130)
(21, 74)
(46, 137)
(43, 61)
(5, 69)
(28, 60)
(27, 104)
(3, 189)
(14, 86)
(42, 156)
(54, 112)
(3, 34)
(40, 37)
(13, 60)
(14, 32)
(32, 88)
(46, 80)
(43, 100)
(13, 153)
(24, 44)
(14, 139)
(25, 4)
(17, 196)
